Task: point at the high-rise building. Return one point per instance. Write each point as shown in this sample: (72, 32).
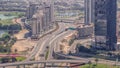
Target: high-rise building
(33, 21)
(41, 19)
(30, 10)
(47, 13)
(105, 23)
(89, 5)
(118, 26)
(87, 10)
(36, 24)
(52, 11)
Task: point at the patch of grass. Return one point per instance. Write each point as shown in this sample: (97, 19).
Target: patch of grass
(20, 58)
(6, 22)
(46, 56)
(13, 13)
(98, 66)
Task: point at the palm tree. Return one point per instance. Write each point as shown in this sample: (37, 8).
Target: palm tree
(96, 60)
(89, 63)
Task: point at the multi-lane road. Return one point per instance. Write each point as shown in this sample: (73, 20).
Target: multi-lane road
(46, 41)
(52, 40)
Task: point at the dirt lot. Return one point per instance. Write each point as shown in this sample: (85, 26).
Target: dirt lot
(23, 46)
(21, 34)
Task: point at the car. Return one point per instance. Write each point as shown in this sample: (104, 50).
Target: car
(66, 29)
(41, 55)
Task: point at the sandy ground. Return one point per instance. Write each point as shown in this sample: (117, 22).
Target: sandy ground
(21, 34)
(23, 44)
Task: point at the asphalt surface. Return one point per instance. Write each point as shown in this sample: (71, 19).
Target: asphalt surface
(51, 40)
(46, 41)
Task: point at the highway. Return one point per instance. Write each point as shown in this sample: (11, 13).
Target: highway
(46, 41)
(58, 37)
(38, 62)
(56, 40)
(52, 40)
(43, 42)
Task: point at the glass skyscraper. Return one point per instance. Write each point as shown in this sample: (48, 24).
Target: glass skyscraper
(105, 23)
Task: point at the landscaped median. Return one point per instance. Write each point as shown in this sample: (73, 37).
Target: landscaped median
(46, 56)
(20, 58)
(11, 58)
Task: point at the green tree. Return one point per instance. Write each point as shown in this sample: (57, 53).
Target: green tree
(0, 25)
(1, 48)
(5, 60)
(5, 37)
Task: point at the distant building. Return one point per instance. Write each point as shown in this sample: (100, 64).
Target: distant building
(47, 13)
(30, 11)
(105, 23)
(33, 22)
(37, 23)
(41, 18)
(52, 11)
(13, 5)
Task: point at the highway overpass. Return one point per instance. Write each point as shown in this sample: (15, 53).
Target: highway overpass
(52, 63)
(65, 20)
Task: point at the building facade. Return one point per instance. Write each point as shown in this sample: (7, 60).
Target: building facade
(30, 11)
(34, 27)
(89, 5)
(118, 26)
(40, 18)
(105, 23)
(85, 31)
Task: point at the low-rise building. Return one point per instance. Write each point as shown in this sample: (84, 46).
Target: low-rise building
(85, 31)
(66, 42)
(13, 5)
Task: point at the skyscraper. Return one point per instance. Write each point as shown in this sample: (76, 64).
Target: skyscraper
(89, 5)
(34, 27)
(87, 9)
(52, 10)
(30, 10)
(105, 23)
